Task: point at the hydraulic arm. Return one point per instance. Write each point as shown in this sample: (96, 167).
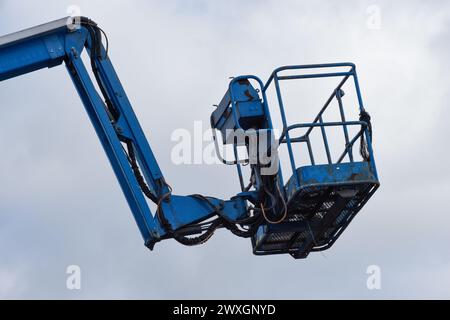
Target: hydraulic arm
(306, 214)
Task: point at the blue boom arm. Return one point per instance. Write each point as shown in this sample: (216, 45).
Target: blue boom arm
(117, 127)
(305, 214)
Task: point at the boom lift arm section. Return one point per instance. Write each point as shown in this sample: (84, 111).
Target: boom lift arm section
(278, 218)
(117, 127)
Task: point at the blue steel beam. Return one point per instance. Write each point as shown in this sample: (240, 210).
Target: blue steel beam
(106, 132)
(52, 44)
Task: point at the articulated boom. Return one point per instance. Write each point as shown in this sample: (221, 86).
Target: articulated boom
(306, 214)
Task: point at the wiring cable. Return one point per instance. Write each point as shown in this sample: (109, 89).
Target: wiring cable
(246, 227)
(364, 148)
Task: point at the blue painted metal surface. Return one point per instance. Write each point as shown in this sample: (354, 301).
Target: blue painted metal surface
(317, 203)
(321, 200)
(53, 47)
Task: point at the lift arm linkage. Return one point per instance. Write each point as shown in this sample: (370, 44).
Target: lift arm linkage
(116, 125)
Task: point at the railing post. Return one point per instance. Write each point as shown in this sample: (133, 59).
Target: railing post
(339, 95)
(285, 129)
(325, 140)
(311, 155)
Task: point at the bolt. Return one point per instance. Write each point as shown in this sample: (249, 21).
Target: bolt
(74, 52)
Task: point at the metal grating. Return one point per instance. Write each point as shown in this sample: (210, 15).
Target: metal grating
(324, 214)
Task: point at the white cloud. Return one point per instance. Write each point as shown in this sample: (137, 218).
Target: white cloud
(8, 284)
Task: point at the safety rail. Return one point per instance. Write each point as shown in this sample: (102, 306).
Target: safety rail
(305, 138)
(318, 121)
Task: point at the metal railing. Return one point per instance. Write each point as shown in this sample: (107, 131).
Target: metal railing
(318, 122)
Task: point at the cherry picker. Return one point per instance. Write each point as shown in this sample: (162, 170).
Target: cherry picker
(304, 214)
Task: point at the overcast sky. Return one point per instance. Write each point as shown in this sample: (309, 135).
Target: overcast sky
(60, 204)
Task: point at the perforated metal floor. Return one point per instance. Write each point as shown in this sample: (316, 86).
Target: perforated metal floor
(317, 215)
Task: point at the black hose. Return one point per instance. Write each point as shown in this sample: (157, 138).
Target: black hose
(137, 173)
(253, 222)
(96, 53)
(363, 148)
